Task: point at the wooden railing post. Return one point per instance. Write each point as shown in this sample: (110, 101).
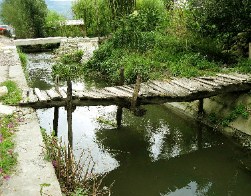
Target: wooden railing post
(120, 108)
(249, 50)
(69, 108)
(135, 94)
(200, 108)
(55, 120)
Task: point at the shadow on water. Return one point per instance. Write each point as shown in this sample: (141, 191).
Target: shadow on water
(161, 153)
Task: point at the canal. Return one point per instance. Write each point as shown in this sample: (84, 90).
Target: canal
(162, 153)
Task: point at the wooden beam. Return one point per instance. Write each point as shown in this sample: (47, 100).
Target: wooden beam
(135, 93)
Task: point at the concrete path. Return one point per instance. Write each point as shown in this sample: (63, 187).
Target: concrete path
(32, 170)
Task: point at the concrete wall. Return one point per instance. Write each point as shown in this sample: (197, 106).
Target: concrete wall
(222, 106)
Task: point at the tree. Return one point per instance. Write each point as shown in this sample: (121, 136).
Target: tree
(227, 20)
(26, 16)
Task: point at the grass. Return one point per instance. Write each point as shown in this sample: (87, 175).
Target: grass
(23, 59)
(14, 93)
(76, 177)
(238, 111)
(8, 158)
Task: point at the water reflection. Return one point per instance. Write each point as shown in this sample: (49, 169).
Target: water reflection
(161, 153)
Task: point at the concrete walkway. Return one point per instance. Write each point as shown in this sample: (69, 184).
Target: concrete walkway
(32, 170)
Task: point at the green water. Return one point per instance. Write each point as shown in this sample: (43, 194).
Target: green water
(161, 153)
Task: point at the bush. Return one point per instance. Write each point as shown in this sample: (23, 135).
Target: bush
(97, 16)
(68, 66)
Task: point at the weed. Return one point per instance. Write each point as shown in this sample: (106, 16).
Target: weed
(14, 93)
(8, 158)
(23, 59)
(74, 177)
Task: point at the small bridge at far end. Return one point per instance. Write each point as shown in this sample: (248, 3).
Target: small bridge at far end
(38, 41)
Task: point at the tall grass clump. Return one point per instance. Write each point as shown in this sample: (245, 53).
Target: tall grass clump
(75, 177)
(14, 93)
(8, 158)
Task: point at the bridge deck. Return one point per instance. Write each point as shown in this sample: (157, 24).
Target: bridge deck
(152, 92)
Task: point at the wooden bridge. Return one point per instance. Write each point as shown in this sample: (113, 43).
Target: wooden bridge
(152, 92)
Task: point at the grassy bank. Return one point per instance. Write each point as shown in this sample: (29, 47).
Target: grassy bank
(8, 158)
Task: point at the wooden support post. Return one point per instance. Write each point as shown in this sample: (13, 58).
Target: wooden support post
(122, 76)
(135, 94)
(200, 108)
(199, 135)
(120, 108)
(119, 116)
(69, 108)
(55, 120)
(249, 50)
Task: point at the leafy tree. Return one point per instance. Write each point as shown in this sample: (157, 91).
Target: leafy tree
(122, 7)
(26, 16)
(96, 15)
(227, 20)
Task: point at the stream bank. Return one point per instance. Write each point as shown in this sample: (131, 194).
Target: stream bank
(219, 108)
(32, 170)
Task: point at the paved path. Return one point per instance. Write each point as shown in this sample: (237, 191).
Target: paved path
(32, 170)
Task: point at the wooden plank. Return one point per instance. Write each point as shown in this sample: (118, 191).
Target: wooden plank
(62, 92)
(25, 96)
(227, 80)
(157, 87)
(76, 93)
(241, 79)
(32, 97)
(208, 82)
(146, 90)
(41, 95)
(103, 93)
(118, 92)
(53, 94)
(168, 88)
(125, 88)
(246, 76)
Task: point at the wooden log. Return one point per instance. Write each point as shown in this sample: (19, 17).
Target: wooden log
(122, 76)
(135, 93)
(249, 50)
(200, 108)
(55, 120)
(69, 108)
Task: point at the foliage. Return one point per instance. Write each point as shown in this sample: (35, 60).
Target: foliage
(26, 16)
(23, 59)
(238, 111)
(68, 65)
(121, 8)
(8, 158)
(227, 20)
(14, 93)
(52, 24)
(96, 15)
(74, 177)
